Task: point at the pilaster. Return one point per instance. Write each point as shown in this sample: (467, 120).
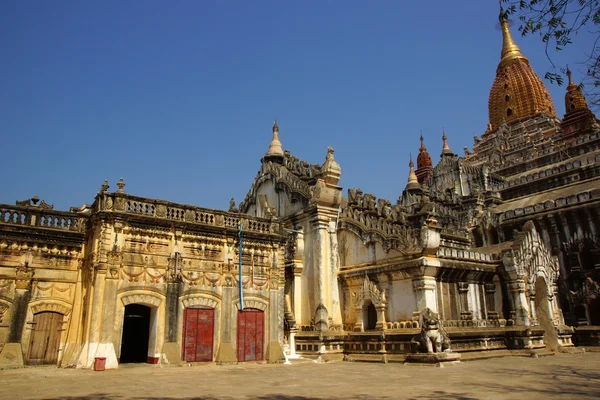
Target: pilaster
(425, 295)
(226, 351)
(320, 224)
(520, 311)
(490, 301)
(463, 295)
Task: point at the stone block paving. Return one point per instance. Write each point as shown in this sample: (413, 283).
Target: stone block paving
(563, 376)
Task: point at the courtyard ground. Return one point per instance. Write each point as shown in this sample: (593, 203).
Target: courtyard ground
(564, 376)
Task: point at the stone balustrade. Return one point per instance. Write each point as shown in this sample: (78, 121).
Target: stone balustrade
(35, 216)
(473, 323)
(465, 254)
(153, 208)
(402, 325)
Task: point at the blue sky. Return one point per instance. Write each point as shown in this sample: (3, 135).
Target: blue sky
(178, 97)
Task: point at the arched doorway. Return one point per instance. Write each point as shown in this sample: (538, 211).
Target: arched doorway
(198, 330)
(136, 333)
(250, 335)
(544, 314)
(45, 338)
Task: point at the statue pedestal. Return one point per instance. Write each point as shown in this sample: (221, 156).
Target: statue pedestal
(432, 359)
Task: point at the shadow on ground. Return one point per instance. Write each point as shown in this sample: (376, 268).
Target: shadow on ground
(433, 395)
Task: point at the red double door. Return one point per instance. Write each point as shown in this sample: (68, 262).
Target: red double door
(250, 335)
(198, 332)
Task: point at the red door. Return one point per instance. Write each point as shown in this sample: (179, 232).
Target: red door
(198, 330)
(250, 335)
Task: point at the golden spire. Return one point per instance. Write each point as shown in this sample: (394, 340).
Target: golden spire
(518, 91)
(510, 50)
(275, 149)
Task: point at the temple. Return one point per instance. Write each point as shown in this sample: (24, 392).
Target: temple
(501, 243)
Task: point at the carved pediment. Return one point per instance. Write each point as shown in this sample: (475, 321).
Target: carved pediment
(369, 291)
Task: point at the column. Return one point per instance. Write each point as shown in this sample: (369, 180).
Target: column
(591, 220)
(274, 349)
(424, 289)
(298, 268)
(562, 279)
(321, 273)
(97, 301)
(520, 312)
(88, 353)
(172, 300)
(532, 313)
(106, 308)
(11, 355)
(335, 313)
(463, 294)
(226, 352)
(23, 277)
(380, 309)
(490, 301)
(297, 305)
(358, 325)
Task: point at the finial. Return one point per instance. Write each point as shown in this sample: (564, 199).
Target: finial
(569, 76)
(510, 50)
(121, 185)
(104, 187)
(329, 155)
(445, 148)
(422, 148)
(275, 152)
(413, 182)
(331, 170)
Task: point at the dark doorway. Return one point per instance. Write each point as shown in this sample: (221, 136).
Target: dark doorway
(136, 332)
(371, 317)
(594, 311)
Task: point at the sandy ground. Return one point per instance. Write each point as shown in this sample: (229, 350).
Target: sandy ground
(564, 376)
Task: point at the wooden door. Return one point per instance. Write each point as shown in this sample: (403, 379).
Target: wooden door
(45, 338)
(198, 332)
(250, 335)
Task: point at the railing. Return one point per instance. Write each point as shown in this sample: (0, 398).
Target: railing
(31, 216)
(551, 170)
(465, 254)
(120, 202)
(473, 323)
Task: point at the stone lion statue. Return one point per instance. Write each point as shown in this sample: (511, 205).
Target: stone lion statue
(433, 338)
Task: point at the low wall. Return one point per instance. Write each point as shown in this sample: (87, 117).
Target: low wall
(394, 344)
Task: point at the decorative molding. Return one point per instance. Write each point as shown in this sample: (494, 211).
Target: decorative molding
(145, 298)
(50, 305)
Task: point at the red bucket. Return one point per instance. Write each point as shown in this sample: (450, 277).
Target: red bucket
(99, 363)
